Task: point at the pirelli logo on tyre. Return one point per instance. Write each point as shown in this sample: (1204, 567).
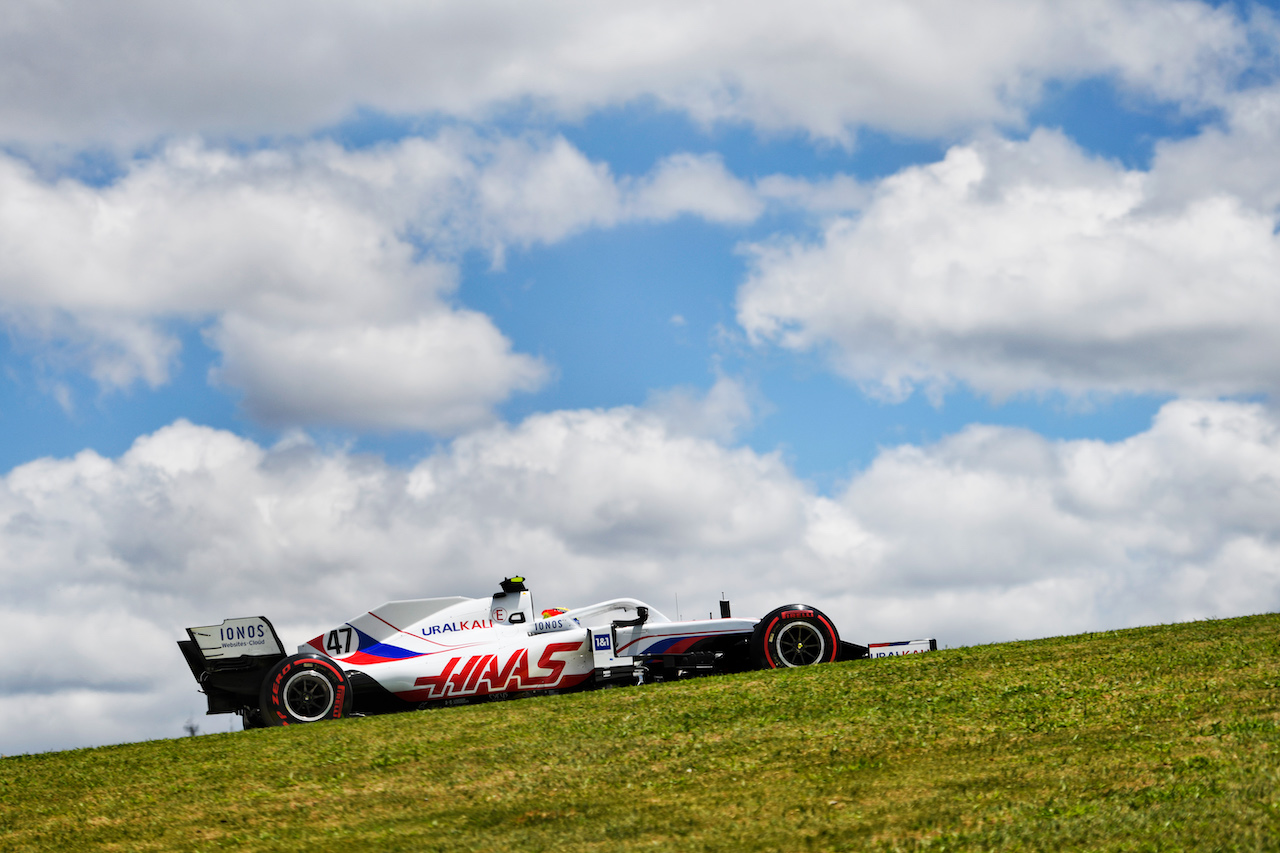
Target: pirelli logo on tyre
(795, 614)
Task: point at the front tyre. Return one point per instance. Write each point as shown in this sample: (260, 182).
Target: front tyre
(304, 688)
(794, 635)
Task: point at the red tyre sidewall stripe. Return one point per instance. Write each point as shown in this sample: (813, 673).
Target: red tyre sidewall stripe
(768, 642)
(275, 693)
(339, 689)
(835, 643)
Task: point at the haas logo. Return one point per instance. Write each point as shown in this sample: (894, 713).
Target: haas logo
(483, 674)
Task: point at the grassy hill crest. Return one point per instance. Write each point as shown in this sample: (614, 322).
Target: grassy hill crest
(1161, 738)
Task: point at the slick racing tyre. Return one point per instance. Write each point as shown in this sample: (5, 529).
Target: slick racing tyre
(794, 635)
(304, 688)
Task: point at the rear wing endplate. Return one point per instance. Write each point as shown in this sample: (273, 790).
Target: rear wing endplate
(230, 660)
(248, 636)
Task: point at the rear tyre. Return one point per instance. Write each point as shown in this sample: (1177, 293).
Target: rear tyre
(794, 635)
(305, 688)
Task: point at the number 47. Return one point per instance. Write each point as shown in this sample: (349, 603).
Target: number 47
(336, 646)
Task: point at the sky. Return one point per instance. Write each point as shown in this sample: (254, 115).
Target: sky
(953, 320)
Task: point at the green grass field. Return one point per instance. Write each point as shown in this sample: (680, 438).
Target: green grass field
(1164, 738)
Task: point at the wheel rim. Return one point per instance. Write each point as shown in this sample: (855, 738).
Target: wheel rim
(308, 696)
(800, 644)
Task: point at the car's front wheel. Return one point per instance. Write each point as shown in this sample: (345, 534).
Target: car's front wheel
(794, 635)
(304, 688)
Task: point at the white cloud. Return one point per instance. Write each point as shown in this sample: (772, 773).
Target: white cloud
(441, 372)
(699, 185)
(824, 67)
(541, 194)
(1172, 524)
(294, 259)
(991, 534)
(721, 414)
(323, 276)
(311, 232)
(1236, 158)
(1028, 266)
(836, 194)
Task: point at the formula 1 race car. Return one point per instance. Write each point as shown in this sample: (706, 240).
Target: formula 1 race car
(414, 654)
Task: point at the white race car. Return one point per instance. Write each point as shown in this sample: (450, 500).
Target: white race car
(412, 654)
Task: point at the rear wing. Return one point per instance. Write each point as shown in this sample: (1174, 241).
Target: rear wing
(230, 660)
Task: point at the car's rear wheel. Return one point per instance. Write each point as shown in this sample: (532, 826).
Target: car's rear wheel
(304, 688)
(794, 635)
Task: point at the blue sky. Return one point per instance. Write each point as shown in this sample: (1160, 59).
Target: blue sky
(956, 321)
